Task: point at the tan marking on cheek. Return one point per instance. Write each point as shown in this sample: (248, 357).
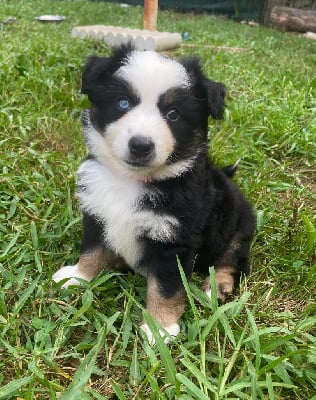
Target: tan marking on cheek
(224, 277)
(170, 97)
(91, 263)
(166, 311)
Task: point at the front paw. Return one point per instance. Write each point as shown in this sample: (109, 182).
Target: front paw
(173, 330)
(70, 272)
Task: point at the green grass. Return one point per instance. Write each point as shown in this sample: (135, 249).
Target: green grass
(85, 343)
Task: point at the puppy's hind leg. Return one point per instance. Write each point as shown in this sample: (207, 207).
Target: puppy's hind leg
(229, 269)
(225, 283)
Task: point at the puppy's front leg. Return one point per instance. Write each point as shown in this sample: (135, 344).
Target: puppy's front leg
(166, 309)
(89, 265)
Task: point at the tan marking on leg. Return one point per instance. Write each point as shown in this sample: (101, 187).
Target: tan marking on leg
(228, 257)
(224, 277)
(224, 272)
(224, 282)
(113, 261)
(166, 311)
(90, 264)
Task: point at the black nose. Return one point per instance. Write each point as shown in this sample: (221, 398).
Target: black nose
(141, 146)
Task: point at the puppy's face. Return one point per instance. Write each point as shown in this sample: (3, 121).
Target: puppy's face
(149, 113)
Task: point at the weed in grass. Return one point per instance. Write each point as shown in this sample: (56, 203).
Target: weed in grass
(85, 343)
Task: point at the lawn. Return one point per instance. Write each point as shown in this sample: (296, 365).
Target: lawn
(84, 343)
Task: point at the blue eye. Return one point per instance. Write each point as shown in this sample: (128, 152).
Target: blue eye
(123, 104)
(173, 115)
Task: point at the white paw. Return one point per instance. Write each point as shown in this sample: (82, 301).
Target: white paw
(70, 271)
(173, 331)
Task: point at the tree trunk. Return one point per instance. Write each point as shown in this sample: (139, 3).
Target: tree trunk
(293, 19)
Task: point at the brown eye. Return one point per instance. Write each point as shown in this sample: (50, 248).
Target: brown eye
(173, 115)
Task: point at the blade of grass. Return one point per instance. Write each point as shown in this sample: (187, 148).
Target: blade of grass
(215, 318)
(154, 385)
(278, 360)
(202, 378)
(166, 357)
(34, 235)
(9, 390)
(310, 233)
(22, 300)
(77, 389)
(9, 246)
(134, 371)
(118, 391)
(189, 295)
(195, 392)
(256, 339)
(233, 358)
(214, 298)
(227, 328)
(87, 299)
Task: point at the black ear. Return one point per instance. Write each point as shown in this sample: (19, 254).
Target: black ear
(98, 71)
(214, 91)
(215, 98)
(94, 76)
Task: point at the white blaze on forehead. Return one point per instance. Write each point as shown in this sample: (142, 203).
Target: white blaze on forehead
(152, 74)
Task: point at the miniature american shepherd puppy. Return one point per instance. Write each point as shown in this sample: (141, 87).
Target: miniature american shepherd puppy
(150, 196)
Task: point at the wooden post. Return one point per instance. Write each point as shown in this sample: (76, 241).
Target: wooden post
(150, 14)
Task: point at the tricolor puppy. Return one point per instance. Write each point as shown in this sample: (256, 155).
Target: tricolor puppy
(148, 192)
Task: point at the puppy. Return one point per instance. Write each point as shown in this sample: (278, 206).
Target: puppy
(148, 192)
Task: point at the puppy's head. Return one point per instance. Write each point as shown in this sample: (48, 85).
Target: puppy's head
(148, 117)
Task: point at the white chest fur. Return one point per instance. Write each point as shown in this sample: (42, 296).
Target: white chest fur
(115, 200)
